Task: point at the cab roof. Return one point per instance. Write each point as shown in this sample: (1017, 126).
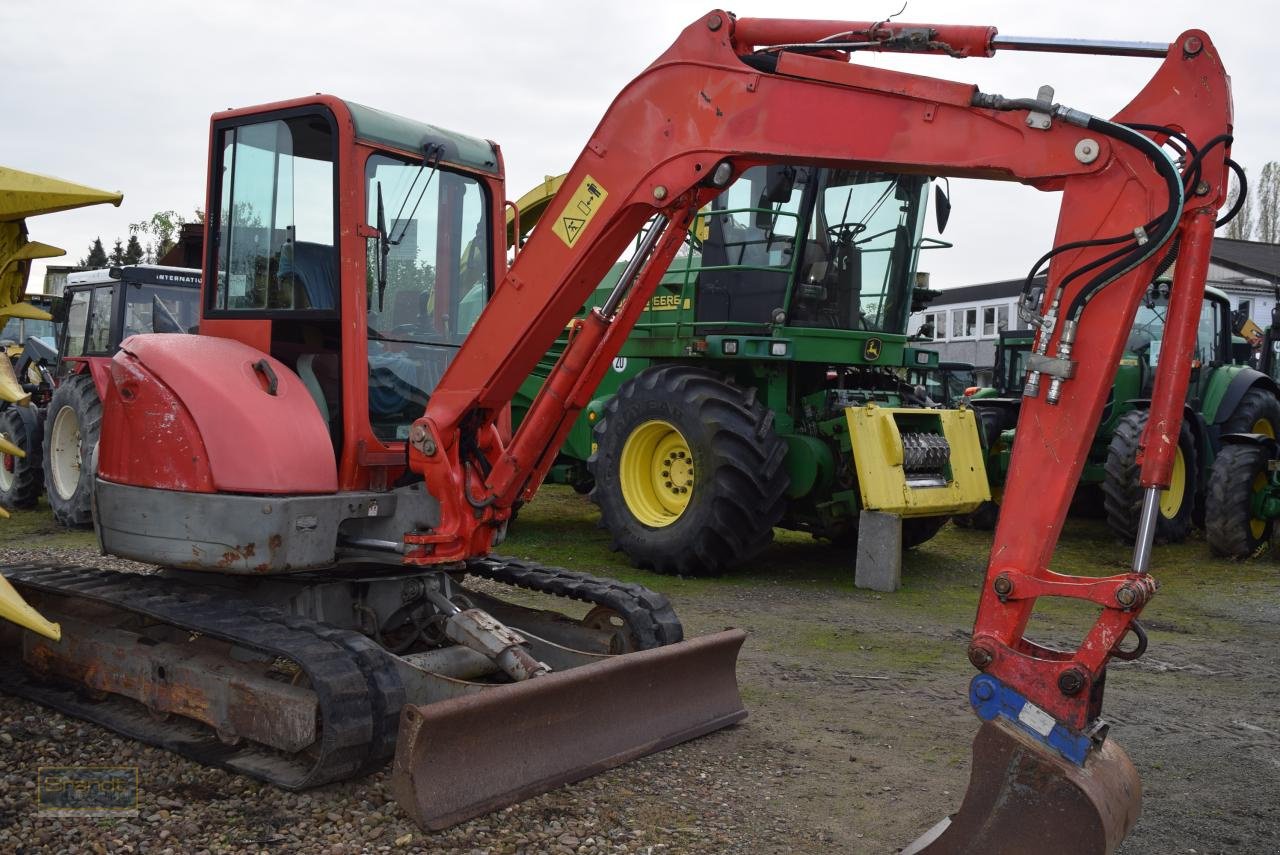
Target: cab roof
(383, 128)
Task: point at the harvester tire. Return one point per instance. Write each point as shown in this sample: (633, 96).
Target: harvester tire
(1231, 529)
(1122, 490)
(982, 519)
(72, 425)
(915, 531)
(21, 478)
(689, 472)
(1257, 412)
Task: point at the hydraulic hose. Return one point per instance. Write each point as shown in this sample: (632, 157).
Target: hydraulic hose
(1167, 223)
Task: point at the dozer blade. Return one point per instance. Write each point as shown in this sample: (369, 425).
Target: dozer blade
(469, 755)
(1025, 800)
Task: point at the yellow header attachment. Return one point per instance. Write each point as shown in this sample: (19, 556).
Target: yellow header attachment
(22, 195)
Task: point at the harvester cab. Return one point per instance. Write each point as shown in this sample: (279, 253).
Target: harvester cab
(317, 584)
(788, 307)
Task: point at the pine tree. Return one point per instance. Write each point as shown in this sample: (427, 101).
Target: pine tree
(133, 252)
(97, 256)
(1267, 198)
(116, 258)
(1242, 225)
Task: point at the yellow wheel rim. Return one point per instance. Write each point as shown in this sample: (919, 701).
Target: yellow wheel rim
(1171, 498)
(1263, 426)
(656, 471)
(1257, 527)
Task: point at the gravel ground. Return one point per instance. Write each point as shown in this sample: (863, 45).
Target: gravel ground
(858, 737)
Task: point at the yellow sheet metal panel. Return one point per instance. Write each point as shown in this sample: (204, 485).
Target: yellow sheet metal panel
(26, 194)
(878, 457)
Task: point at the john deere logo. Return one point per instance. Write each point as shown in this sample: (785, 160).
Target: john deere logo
(871, 350)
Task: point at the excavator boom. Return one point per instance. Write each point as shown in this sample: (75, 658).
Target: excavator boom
(731, 94)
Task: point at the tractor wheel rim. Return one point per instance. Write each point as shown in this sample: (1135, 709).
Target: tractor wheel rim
(1264, 427)
(1171, 499)
(656, 471)
(8, 463)
(1257, 527)
(64, 454)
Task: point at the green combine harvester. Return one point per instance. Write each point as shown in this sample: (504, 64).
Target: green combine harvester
(766, 383)
(1225, 396)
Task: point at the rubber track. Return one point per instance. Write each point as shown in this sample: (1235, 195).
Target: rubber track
(356, 685)
(647, 613)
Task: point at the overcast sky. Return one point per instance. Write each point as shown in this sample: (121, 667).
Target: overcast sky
(118, 95)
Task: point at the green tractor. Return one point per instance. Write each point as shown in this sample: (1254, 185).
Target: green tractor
(766, 382)
(1225, 396)
(1243, 494)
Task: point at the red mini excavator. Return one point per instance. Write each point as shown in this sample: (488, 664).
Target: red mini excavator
(325, 468)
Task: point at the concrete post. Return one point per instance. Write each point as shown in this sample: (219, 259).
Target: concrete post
(879, 561)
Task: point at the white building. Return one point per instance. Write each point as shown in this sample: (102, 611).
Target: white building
(965, 322)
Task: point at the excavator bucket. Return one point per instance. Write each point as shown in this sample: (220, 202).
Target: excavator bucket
(469, 755)
(1024, 799)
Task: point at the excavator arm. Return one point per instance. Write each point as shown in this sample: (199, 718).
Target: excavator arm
(731, 94)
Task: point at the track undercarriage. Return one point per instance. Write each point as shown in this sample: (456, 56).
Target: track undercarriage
(303, 681)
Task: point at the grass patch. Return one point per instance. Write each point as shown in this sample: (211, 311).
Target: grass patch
(36, 529)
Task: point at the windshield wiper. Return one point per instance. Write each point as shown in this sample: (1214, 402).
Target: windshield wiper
(384, 249)
(432, 152)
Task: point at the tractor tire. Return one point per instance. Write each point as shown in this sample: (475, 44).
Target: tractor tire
(71, 428)
(689, 473)
(1122, 489)
(1257, 412)
(983, 519)
(915, 531)
(21, 478)
(1238, 473)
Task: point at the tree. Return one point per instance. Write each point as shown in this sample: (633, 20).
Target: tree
(133, 252)
(1267, 199)
(1242, 226)
(163, 227)
(97, 256)
(116, 258)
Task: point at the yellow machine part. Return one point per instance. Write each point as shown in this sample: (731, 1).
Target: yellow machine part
(22, 195)
(14, 608)
(532, 206)
(877, 453)
(10, 389)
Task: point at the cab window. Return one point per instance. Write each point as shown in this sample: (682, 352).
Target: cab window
(98, 335)
(434, 284)
(77, 322)
(275, 248)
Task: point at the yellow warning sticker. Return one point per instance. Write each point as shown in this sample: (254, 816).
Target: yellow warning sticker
(577, 214)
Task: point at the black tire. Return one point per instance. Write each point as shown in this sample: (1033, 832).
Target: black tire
(983, 519)
(1122, 489)
(1230, 527)
(1257, 412)
(71, 492)
(915, 531)
(22, 478)
(737, 487)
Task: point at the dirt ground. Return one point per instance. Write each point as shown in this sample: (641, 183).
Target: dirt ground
(859, 728)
